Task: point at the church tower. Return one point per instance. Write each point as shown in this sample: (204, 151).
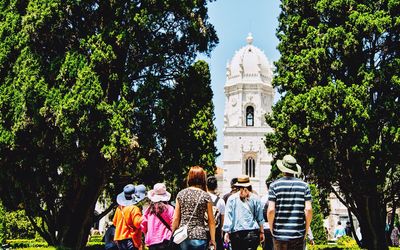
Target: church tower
(249, 96)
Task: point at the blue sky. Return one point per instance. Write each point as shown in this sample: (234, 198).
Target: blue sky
(233, 20)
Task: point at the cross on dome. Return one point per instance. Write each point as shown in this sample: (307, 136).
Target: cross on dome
(249, 38)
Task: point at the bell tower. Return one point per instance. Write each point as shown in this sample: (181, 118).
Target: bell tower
(248, 97)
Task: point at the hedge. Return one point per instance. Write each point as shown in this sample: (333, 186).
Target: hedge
(35, 244)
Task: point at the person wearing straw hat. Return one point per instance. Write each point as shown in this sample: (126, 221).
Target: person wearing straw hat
(243, 222)
(127, 217)
(289, 207)
(157, 218)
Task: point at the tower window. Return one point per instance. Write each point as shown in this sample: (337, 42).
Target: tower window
(250, 167)
(249, 116)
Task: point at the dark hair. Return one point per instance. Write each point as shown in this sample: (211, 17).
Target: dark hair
(157, 207)
(339, 223)
(268, 183)
(233, 181)
(197, 177)
(212, 183)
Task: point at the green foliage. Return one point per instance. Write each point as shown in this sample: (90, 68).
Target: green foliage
(176, 129)
(70, 74)
(339, 78)
(332, 247)
(347, 241)
(396, 220)
(317, 224)
(96, 238)
(27, 244)
(18, 226)
(3, 228)
(24, 243)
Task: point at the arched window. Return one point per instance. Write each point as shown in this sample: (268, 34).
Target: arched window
(249, 116)
(250, 167)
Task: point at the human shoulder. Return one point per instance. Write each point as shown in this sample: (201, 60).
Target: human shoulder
(182, 193)
(232, 197)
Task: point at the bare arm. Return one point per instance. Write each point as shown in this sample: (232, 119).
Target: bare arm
(177, 216)
(211, 223)
(308, 212)
(271, 215)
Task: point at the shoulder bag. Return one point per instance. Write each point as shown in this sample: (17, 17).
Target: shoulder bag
(181, 233)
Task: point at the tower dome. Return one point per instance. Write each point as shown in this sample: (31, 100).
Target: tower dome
(249, 65)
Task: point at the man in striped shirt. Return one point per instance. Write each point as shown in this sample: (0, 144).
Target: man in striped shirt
(289, 210)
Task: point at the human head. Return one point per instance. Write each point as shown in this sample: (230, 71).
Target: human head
(233, 181)
(243, 181)
(131, 195)
(268, 183)
(339, 223)
(197, 178)
(159, 193)
(244, 186)
(288, 165)
(212, 183)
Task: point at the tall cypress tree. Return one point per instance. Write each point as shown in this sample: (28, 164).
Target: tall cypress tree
(69, 72)
(339, 77)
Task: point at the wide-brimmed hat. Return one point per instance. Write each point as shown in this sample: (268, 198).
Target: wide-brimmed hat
(289, 165)
(159, 193)
(131, 195)
(243, 181)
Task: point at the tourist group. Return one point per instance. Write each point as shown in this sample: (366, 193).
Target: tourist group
(202, 219)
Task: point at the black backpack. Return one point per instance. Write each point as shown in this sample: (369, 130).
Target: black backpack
(265, 209)
(216, 213)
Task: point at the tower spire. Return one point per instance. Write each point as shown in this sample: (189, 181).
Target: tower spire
(249, 38)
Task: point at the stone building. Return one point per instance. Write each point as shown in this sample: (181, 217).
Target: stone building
(249, 96)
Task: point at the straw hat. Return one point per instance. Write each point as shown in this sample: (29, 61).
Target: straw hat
(243, 181)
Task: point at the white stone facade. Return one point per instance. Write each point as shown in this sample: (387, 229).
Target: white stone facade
(249, 96)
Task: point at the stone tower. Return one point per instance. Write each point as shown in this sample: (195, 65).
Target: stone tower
(249, 96)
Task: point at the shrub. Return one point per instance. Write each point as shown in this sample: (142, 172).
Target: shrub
(317, 223)
(330, 247)
(17, 226)
(96, 238)
(23, 243)
(347, 242)
(3, 231)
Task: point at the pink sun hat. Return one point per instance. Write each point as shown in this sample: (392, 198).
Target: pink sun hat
(159, 193)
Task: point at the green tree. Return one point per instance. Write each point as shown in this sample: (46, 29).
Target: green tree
(189, 129)
(69, 72)
(339, 79)
(317, 224)
(175, 127)
(3, 229)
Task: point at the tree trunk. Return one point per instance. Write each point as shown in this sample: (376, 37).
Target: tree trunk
(372, 221)
(77, 216)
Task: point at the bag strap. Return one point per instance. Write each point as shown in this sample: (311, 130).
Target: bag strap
(216, 201)
(197, 203)
(123, 218)
(163, 221)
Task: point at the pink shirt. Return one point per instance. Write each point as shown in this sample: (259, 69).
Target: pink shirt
(154, 230)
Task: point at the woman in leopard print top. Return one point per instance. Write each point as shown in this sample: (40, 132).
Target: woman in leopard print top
(191, 204)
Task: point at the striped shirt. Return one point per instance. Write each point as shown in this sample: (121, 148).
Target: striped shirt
(289, 195)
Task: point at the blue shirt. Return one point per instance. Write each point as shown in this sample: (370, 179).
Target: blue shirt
(241, 216)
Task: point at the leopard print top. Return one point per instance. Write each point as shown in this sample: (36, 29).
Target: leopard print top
(187, 199)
